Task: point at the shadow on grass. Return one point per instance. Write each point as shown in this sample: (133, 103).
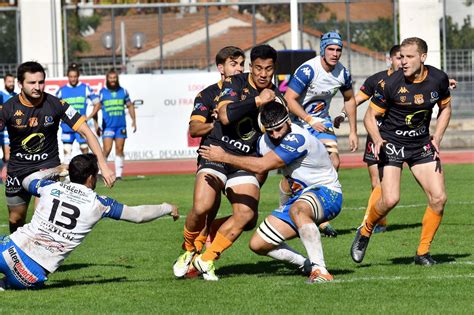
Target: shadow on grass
(70, 267)
(266, 269)
(440, 259)
(70, 283)
(390, 228)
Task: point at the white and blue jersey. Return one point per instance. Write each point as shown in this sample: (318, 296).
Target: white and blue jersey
(307, 169)
(316, 88)
(113, 107)
(79, 97)
(4, 97)
(64, 216)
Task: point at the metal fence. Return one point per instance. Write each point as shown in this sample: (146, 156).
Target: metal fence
(170, 37)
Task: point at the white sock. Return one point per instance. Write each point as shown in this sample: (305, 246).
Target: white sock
(311, 238)
(284, 252)
(118, 166)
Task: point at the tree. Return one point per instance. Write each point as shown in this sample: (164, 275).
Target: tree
(459, 37)
(8, 42)
(76, 26)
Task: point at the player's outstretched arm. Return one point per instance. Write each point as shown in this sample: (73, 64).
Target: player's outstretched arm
(131, 111)
(146, 213)
(350, 108)
(107, 173)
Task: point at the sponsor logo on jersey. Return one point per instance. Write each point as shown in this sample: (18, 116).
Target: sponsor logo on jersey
(32, 157)
(434, 97)
(403, 90)
(33, 122)
(411, 133)
(292, 138)
(55, 192)
(63, 102)
(418, 99)
(48, 121)
(33, 143)
(287, 147)
(12, 181)
(306, 71)
(393, 152)
(417, 119)
(18, 268)
(239, 145)
(18, 113)
(427, 151)
(70, 112)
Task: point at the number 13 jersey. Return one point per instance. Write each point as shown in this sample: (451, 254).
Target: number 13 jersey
(64, 216)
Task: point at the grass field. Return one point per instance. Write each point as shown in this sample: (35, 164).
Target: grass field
(126, 268)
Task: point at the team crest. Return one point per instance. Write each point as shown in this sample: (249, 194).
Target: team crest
(403, 98)
(62, 102)
(48, 120)
(18, 121)
(33, 122)
(382, 84)
(402, 90)
(418, 99)
(18, 113)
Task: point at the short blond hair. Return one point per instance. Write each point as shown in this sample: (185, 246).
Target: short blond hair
(421, 44)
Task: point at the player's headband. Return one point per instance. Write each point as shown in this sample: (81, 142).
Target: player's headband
(277, 124)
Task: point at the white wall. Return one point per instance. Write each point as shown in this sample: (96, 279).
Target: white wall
(41, 34)
(420, 18)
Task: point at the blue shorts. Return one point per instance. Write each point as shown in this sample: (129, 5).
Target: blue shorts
(69, 137)
(21, 271)
(4, 139)
(118, 132)
(330, 201)
(328, 134)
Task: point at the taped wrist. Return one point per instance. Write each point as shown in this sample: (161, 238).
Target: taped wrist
(237, 110)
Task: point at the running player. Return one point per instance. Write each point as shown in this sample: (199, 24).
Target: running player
(406, 101)
(9, 92)
(32, 120)
(230, 60)
(64, 216)
(78, 95)
(309, 96)
(113, 100)
(236, 131)
(303, 159)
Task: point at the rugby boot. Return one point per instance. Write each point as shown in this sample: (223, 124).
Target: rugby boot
(359, 246)
(317, 276)
(306, 268)
(327, 230)
(181, 265)
(424, 260)
(206, 268)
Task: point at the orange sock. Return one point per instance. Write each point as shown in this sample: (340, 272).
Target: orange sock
(374, 196)
(200, 241)
(430, 224)
(189, 238)
(220, 244)
(373, 217)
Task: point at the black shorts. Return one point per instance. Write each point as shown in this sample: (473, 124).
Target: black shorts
(369, 156)
(395, 155)
(229, 175)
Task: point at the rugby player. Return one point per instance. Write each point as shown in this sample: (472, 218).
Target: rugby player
(32, 120)
(236, 131)
(64, 216)
(309, 96)
(303, 159)
(230, 60)
(78, 95)
(113, 100)
(9, 92)
(406, 101)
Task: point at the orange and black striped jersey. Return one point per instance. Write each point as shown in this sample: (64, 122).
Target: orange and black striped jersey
(407, 105)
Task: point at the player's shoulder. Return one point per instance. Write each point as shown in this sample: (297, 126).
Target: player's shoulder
(436, 73)
(298, 136)
(238, 79)
(211, 90)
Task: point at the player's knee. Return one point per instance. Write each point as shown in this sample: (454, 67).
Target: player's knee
(390, 202)
(296, 212)
(438, 201)
(255, 245)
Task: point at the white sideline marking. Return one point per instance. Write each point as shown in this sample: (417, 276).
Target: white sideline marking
(461, 263)
(400, 278)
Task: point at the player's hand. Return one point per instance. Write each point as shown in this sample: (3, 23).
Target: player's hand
(452, 84)
(353, 141)
(108, 175)
(215, 114)
(266, 96)
(134, 126)
(319, 127)
(212, 153)
(378, 147)
(174, 213)
(339, 119)
(436, 142)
